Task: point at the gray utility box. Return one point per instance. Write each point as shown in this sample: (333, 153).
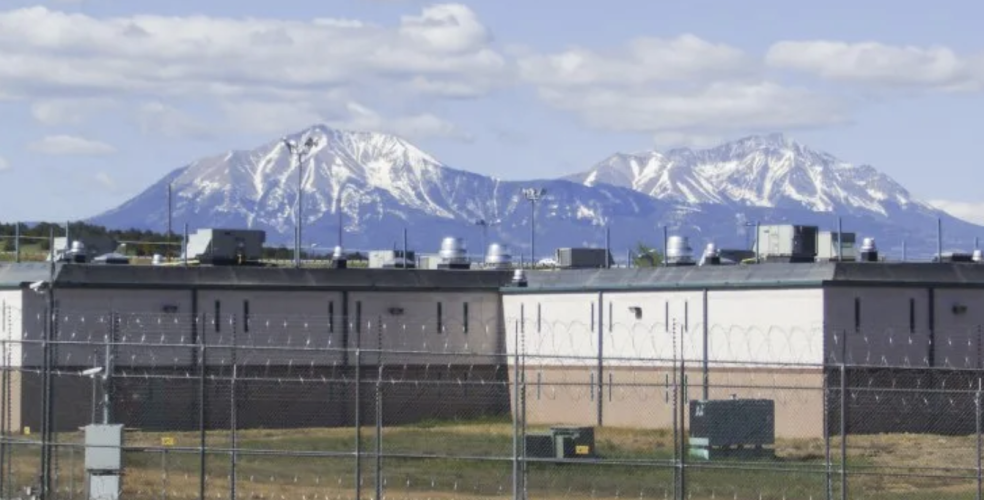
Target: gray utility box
(787, 243)
(582, 258)
(732, 426)
(104, 448)
(562, 443)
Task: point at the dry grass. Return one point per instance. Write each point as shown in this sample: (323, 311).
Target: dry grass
(889, 466)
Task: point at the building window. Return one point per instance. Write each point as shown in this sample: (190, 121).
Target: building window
(358, 316)
(611, 313)
(539, 317)
(440, 317)
(246, 316)
(464, 320)
(666, 317)
(522, 318)
(912, 315)
(218, 312)
(592, 316)
(857, 314)
(331, 316)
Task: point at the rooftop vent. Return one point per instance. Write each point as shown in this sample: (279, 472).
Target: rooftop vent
(976, 256)
(519, 278)
(338, 260)
(454, 254)
(869, 251)
(498, 257)
(711, 256)
(678, 251)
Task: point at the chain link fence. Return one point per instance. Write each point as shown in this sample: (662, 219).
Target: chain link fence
(276, 407)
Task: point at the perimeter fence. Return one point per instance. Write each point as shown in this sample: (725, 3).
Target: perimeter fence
(275, 407)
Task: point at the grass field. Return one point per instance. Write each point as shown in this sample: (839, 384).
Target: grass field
(446, 460)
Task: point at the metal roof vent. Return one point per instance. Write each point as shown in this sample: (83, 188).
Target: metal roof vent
(453, 254)
(519, 278)
(976, 256)
(498, 256)
(678, 251)
(157, 260)
(78, 246)
(711, 256)
(338, 260)
(869, 250)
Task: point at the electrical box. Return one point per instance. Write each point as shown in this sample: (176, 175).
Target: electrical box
(718, 426)
(787, 243)
(582, 258)
(104, 447)
(827, 242)
(104, 487)
(561, 443)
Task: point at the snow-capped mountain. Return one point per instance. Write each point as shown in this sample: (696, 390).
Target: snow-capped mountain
(770, 171)
(381, 185)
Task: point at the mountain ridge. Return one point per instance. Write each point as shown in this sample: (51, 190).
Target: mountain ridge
(382, 184)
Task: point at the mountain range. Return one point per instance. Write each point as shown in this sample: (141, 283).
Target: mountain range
(378, 185)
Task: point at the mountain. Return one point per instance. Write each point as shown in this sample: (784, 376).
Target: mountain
(760, 171)
(381, 185)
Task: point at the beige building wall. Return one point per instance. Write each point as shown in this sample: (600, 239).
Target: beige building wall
(760, 343)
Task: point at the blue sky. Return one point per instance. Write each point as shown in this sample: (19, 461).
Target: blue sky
(99, 98)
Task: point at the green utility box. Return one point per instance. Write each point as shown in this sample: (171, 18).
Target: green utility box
(561, 443)
(726, 428)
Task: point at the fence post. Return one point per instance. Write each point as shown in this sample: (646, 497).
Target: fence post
(358, 419)
(379, 407)
(202, 414)
(826, 431)
(676, 425)
(3, 419)
(977, 424)
(379, 434)
(516, 443)
(233, 426)
(843, 427)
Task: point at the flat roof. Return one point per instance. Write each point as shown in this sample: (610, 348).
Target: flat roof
(762, 275)
(250, 277)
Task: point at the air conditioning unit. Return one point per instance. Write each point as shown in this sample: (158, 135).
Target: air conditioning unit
(732, 428)
(561, 443)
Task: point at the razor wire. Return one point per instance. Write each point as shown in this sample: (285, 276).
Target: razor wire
(321, 406)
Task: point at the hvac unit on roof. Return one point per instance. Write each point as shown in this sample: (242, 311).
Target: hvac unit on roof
(678, 251)
(454, 254)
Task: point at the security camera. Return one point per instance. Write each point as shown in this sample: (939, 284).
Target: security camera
(91, 372)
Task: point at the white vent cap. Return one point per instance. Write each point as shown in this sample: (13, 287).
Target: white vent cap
(868, 245)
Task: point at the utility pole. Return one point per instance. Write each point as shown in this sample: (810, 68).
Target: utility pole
(169, 212)
(299, 153)
(533, 195)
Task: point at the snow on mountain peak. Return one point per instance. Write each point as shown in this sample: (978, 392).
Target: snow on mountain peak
(763, 171)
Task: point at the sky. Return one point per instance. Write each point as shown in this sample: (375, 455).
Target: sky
(100, 98)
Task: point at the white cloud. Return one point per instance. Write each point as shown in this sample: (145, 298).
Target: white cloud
(876, 63)
(420, 126)
(685, 91)
(641, 61)
(104, 180)
(66, 145)
(66, 111)
(968, 211)
(155, 117)
(3, 164)
(195, 55)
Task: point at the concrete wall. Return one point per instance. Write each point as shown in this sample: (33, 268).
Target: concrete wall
(905, 326)
(283, 328)
(757, 340)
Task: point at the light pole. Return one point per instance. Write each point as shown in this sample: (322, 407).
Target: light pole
(299, 152)
(485, 231)
(533, 195)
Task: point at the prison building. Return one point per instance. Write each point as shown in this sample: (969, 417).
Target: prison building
(610, 347)
(295, 336)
